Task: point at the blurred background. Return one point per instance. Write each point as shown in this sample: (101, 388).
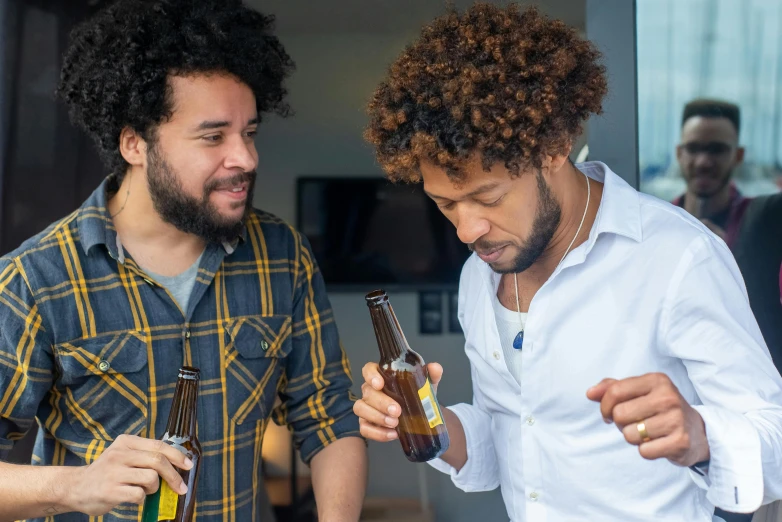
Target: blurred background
(317, 173)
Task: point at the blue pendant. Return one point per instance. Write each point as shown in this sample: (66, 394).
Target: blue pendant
(518, 342)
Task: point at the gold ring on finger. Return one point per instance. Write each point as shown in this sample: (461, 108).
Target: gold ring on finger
(641, 427)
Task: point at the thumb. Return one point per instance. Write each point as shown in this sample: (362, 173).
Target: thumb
(435, 373)
(596, 392)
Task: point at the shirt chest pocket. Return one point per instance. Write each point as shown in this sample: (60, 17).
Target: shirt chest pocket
(104, 384)
(254, 361)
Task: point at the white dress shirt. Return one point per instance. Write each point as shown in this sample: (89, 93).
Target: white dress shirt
(651, 290)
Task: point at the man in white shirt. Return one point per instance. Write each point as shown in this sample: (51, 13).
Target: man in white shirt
(618, 371)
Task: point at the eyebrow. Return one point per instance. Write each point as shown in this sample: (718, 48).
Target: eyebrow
(480, 190)
(219, 124)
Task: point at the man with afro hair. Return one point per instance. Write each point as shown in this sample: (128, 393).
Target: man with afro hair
(617, 370)
(168, 264)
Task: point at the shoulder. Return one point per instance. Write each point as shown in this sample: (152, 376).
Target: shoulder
(44, 253)
(669, 226)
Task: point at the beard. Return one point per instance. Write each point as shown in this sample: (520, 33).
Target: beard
(721, 183)
(544, 225)
(190, 214)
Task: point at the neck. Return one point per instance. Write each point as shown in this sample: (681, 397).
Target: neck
(138, 223)
(572, 184)
(702, 207)
(155, 245)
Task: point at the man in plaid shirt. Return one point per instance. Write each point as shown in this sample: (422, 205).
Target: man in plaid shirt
(167, 264)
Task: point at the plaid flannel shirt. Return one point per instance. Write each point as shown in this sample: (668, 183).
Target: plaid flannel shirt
(90, 346)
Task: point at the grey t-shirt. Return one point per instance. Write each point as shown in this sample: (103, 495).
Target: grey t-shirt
(180, 285)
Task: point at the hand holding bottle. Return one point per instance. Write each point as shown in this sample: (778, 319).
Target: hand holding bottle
(127, 471)
(378, 414)
(408, 393)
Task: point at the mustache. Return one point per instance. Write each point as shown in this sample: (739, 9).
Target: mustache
(230, 182)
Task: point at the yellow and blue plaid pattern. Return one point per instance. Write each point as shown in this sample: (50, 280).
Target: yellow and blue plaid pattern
(90, 346)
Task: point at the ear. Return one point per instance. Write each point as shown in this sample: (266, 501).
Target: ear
(679, 152)
(556, 162)
(739, 155)
(133, 147)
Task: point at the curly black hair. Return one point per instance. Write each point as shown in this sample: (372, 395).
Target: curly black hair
(509, 85)
(115, 70)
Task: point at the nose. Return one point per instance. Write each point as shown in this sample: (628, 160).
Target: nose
(241, 154)
(703, 160)
(470, 226)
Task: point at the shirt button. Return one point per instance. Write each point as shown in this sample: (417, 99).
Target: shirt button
(187, 334)
(534, 496)
(104, 366)
(497, 355)
(264, 345)
(530, 420)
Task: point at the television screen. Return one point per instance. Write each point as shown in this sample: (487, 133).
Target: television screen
(368, 232)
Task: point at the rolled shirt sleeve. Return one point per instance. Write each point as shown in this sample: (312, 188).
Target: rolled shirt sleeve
(316, 398)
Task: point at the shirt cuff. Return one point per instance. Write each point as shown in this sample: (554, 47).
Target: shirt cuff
(480, 472)
(734, 479)
(5, 448)
(344, 426)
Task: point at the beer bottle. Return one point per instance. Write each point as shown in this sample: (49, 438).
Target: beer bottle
(421, 427)
(165, 504)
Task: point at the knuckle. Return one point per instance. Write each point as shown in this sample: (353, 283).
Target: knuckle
(151, 478)
(678, 417)
(644, 452)
(619, 414)
(661, 379)
(670, 401)
(684, 442)
(138, 496)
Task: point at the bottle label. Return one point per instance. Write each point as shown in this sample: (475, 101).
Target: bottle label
(168, 502)
(431, 408)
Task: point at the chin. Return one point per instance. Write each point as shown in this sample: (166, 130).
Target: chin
(502, 267)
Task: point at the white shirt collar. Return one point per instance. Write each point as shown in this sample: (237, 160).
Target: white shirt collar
(619, 213)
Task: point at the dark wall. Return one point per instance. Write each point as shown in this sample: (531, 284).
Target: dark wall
(48, 167)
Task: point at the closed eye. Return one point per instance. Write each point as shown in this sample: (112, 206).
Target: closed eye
(492, 203)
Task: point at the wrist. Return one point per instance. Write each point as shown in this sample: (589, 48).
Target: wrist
(63, 488)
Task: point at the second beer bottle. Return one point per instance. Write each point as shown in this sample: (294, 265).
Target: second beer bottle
(165, 504)
(421, 427)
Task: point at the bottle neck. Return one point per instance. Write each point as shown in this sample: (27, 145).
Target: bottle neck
(390, 338)
(182, 419)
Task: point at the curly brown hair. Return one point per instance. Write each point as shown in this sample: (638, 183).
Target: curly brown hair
(509, 85)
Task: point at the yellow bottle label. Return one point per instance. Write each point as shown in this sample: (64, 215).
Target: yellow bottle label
(431, 408)
(168, 502)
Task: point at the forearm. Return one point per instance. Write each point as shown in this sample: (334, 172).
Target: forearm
(32, 491)
(456, 455)
(339, 477)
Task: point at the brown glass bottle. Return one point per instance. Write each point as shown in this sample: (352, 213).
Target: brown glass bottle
(165, 504)
(421, 427)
